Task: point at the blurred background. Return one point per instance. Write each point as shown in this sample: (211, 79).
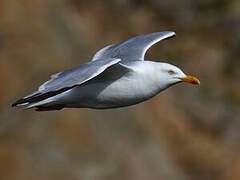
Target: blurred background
(185, 133)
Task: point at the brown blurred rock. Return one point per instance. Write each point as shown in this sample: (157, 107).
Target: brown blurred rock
(184, 133)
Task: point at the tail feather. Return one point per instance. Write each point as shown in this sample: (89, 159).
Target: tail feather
(49, 108)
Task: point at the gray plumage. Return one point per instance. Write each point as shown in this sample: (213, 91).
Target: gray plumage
(134, 48)
(116, 76)
(77, 76)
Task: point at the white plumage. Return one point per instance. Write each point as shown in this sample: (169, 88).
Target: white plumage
(117, 76)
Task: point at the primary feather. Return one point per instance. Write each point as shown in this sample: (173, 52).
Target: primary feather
(116, 76)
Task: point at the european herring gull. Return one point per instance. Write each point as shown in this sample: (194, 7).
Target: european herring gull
(117, 76)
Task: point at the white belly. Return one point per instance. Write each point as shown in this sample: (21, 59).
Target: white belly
(128, 90)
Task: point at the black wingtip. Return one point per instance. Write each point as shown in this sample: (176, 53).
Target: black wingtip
(20, 101)
(27, 99)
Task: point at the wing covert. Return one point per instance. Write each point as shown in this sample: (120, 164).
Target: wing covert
(77, 75)
(133, 48)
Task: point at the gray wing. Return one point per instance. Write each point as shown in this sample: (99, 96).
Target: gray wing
(67, 79)
(77, 75)
(134, 48)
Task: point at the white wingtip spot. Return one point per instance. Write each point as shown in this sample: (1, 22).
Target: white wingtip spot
(23, 104)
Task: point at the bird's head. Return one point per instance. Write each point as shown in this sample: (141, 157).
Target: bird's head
(170, 75)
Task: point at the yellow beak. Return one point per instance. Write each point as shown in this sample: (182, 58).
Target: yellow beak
(191, 79)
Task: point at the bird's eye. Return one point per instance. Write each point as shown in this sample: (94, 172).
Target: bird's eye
(171, 72)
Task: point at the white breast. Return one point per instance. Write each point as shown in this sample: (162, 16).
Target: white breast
(131, 88)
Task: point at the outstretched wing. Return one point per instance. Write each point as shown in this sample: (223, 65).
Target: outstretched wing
(133, 48)
(77, 75)
(67, 79)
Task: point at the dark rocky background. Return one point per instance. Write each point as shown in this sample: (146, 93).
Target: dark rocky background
(185, 133)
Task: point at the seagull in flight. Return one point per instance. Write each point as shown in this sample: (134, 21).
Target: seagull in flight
(117, 76)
